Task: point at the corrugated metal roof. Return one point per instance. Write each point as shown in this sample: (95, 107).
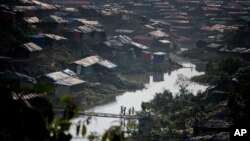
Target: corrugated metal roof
(219, 28)
(91, 60)
(211, 9)
(159, 53)
(107, 64)
(54, 36)
(69, 72)
(178, 21)
(238, 49)
(36, 36)
(124, 31)
(138, 45)
(174, 13)
(55, 76)
(142, 4)
(187, 27)
(214, 45)
(118, 41)
(70, 9)
(69, 81)
(85, 29)
(113, 43)
(88, 61)
(246, 51)
(24, 8)
(31, 20)
(87, 22)
(65, 77)
(224, 49)
(176, 17)
(158, 34)
(53, 19)
(123, 39)
(42, 5)
(149, 26)
(31, 47)
(26, 1)
(164, 41)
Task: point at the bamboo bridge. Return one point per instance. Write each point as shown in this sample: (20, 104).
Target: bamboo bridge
(107, 115)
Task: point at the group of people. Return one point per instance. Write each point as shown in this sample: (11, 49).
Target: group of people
(131, 111)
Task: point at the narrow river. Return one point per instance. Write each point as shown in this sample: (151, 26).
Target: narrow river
(157, 84)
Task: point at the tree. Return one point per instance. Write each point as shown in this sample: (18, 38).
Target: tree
(229, 65)
(209, 68)
(115, 133)
(182, 82)
(239, 101)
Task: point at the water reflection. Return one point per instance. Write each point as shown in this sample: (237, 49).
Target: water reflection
(158, 77)
(156, 83)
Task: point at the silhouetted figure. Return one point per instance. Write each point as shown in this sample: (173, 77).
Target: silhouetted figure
(124, 111)
(121, 110)
(129, 111)
(133, 110)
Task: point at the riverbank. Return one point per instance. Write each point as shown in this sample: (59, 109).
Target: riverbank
(206, 115)
(131, 98)
(102, 89)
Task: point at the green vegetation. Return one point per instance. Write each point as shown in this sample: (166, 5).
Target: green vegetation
(222, 73)
(113, 134)
(33, 119)
(170, 114)
(175, 116)
(166, 116)
(239, 99)
(231, 75)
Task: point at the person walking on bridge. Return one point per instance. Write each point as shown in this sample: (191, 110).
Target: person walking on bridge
(129, 111)
(121, 110)
(124, 111)
(133, 111)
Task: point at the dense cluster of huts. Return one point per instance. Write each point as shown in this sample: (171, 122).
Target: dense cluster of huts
(210, 22)
(99, 34)
(138, 28)
(63, 23)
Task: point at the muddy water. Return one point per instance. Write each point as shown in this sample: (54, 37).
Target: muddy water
(157, 83)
